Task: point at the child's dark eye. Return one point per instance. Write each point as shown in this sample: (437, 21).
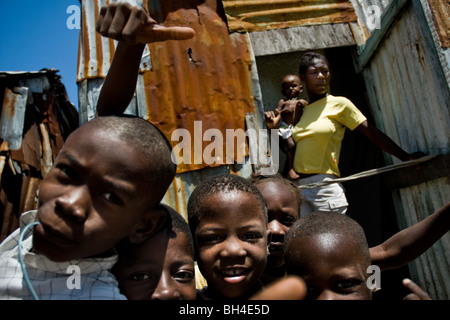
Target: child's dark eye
(347, 284)
(184, 276)
(140, 277)
(66, 171)
(288, 221)
(208, 238)
(252, 235)
(111, 197)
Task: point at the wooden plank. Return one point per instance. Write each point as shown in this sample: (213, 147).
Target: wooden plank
(435, 168)
(302, 38)
(387, 19)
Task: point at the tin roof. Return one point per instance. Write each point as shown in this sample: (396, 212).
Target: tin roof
(36, 118)
(207, 79)
(258, 15)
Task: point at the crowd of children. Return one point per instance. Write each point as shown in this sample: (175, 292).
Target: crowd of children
(100, 209)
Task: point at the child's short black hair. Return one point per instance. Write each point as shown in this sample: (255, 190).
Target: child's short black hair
(287, 76)
(327, 223)
(278, 178)
(173, 224)
(148, 139)
(307, 60)
(177, 224)
(215, 184)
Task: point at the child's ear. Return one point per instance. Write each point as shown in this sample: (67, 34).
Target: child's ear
(151, 222)
(269, 239)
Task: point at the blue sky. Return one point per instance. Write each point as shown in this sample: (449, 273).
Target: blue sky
(34, 35)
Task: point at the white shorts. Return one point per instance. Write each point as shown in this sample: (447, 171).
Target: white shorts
(328, 198)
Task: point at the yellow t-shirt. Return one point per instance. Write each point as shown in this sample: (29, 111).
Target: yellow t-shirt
(319, 133)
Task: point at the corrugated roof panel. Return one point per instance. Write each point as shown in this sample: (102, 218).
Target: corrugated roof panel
(13, 116)
(261, 15)
(403, 70)
(37, 116)
(184, 184)
(207, 79)
(441, 18)
(211, 78)
(411, 103)
(96, 52)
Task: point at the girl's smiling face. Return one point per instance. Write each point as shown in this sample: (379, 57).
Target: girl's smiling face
(231, 239)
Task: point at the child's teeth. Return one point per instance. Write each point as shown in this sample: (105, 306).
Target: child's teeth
(232, 272)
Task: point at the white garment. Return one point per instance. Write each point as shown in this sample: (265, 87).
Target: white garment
(328, 198)
(53, 280)
(285, 130)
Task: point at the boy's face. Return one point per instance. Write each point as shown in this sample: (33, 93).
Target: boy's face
(231, 238)
(291, 87)
(317, 78)
(332, 267)
(92, 197)
(162, 268)
(282, 209)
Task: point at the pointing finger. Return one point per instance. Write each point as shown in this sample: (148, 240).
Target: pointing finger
(154, 33)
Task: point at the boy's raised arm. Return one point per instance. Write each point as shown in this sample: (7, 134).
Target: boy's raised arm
(133, 28)
(408, 244)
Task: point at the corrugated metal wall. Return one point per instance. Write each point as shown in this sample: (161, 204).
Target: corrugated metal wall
(211, 78)
(410, 101)
(36, 118)
(250, 16)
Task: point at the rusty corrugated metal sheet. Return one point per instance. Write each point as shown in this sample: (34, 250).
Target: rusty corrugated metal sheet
(257, 15)
(441, 18)
(411, 103)
(38, 117)
(211, 78)
(95, 53)
(206, 79)
(181, 188)
(13, 116)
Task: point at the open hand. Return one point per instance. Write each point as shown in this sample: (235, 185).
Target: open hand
(272, 119)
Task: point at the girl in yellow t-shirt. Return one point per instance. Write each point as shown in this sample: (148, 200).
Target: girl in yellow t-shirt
(318, 133)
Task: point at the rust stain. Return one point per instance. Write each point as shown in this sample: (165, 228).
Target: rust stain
(203, 79)
(25, 168)
(441, 18)
(86, 47)
(98, 40)
(249, 16)
(9, 102)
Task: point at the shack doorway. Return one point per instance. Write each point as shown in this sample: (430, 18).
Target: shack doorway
(370, 201)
